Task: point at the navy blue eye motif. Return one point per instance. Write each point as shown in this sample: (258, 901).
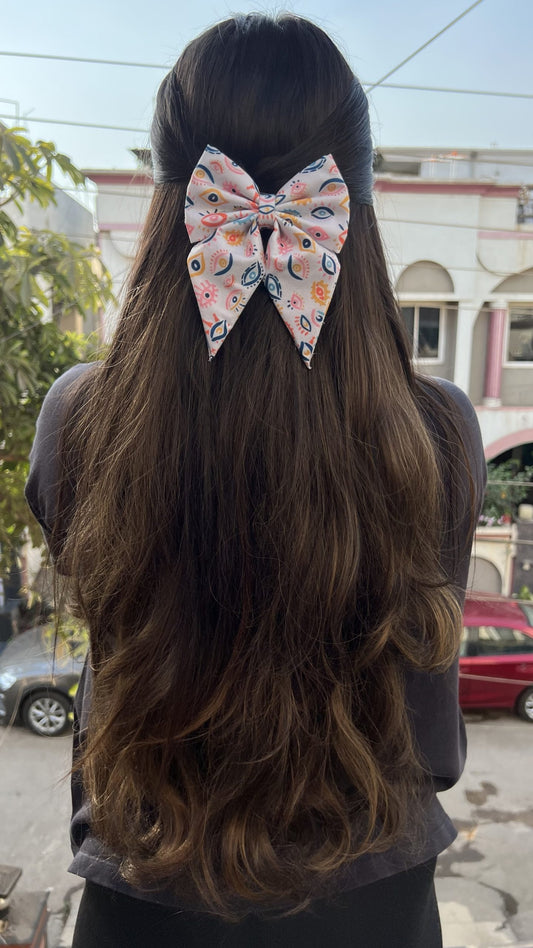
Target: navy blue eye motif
(322, 213)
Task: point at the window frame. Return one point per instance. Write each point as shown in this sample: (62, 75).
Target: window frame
(515, 363)
(416, 305)
(471, 636)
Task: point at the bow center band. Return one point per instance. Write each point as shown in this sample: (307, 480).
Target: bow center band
(266, 207)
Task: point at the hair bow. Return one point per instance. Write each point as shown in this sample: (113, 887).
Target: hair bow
(224, 215)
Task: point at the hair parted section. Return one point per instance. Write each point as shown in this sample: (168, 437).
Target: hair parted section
(259, 550)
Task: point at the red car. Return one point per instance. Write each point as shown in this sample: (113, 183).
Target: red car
(496, 655)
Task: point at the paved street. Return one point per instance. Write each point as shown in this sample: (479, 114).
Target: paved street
(35, 799)
(484, 880)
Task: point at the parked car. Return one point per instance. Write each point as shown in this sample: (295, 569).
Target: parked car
(39, 677)
(496, 655)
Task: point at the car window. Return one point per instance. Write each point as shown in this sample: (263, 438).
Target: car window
(499, 640)
(463, 645)
(527, 609)
(468, 645)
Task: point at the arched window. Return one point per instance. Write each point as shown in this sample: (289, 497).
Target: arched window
(424, 289)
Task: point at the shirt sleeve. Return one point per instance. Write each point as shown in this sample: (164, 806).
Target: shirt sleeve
(41, 486)
(433, 698)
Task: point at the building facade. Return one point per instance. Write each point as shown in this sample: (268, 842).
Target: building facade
(458, 229)
(122, 200)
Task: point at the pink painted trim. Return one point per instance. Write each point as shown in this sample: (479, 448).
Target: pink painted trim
(508, 442)
(119, 177)
(505, 234)
(119, 225)
(443, 187)
(494, 357)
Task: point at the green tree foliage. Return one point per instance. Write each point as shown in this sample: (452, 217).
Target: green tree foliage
(44, 276)
(505, 489)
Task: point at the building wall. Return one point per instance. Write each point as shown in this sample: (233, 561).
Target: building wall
(454, 243)
(68, 216)
(517, 385)
(465, 229)
(479, 350)
(122, 204)
(491, 566)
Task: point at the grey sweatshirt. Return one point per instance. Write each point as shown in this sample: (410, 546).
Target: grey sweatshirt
(432, 698)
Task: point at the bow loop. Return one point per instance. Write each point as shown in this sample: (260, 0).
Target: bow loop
(224, 215)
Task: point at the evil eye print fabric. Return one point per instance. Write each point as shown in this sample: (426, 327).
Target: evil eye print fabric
(308, 219)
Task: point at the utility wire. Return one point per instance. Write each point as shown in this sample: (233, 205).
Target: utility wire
(387, 220)
(84, 59)
(424, 46)
(493, 230)
(136, 173)
(380, 83)
(415, 88)
(50, 121)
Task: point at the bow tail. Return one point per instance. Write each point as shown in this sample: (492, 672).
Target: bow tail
(301, 278)
(225, 270)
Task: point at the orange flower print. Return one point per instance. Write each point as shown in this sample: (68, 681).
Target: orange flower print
(233, 237)
(206, 293)
(320, 292)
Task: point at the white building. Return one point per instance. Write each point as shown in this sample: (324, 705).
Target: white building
(122, 202)
(458, 228)
(459, 233)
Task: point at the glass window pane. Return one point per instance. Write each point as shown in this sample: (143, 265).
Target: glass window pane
(521, 334)
(428, 332)
(524, 643)
(468, 646)
(494, 640)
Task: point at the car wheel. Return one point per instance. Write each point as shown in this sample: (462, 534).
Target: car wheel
(524, 705)
(46, 713)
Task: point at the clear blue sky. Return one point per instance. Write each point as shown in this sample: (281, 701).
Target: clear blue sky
(489, 49)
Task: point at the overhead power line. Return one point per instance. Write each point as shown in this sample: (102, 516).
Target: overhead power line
(381, 220)
(52, 121)
(83, 59)
(145, 131)
(368, 85)
(453, 91)
(424, 46)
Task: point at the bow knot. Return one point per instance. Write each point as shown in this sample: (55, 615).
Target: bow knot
(308, 219)
(266, 209)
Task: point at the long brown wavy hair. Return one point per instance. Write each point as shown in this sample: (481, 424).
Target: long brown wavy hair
(257, 548)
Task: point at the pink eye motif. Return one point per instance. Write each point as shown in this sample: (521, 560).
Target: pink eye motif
(234, 300)
(214, 220)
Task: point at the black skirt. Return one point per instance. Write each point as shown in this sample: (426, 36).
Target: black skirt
(397, 912)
